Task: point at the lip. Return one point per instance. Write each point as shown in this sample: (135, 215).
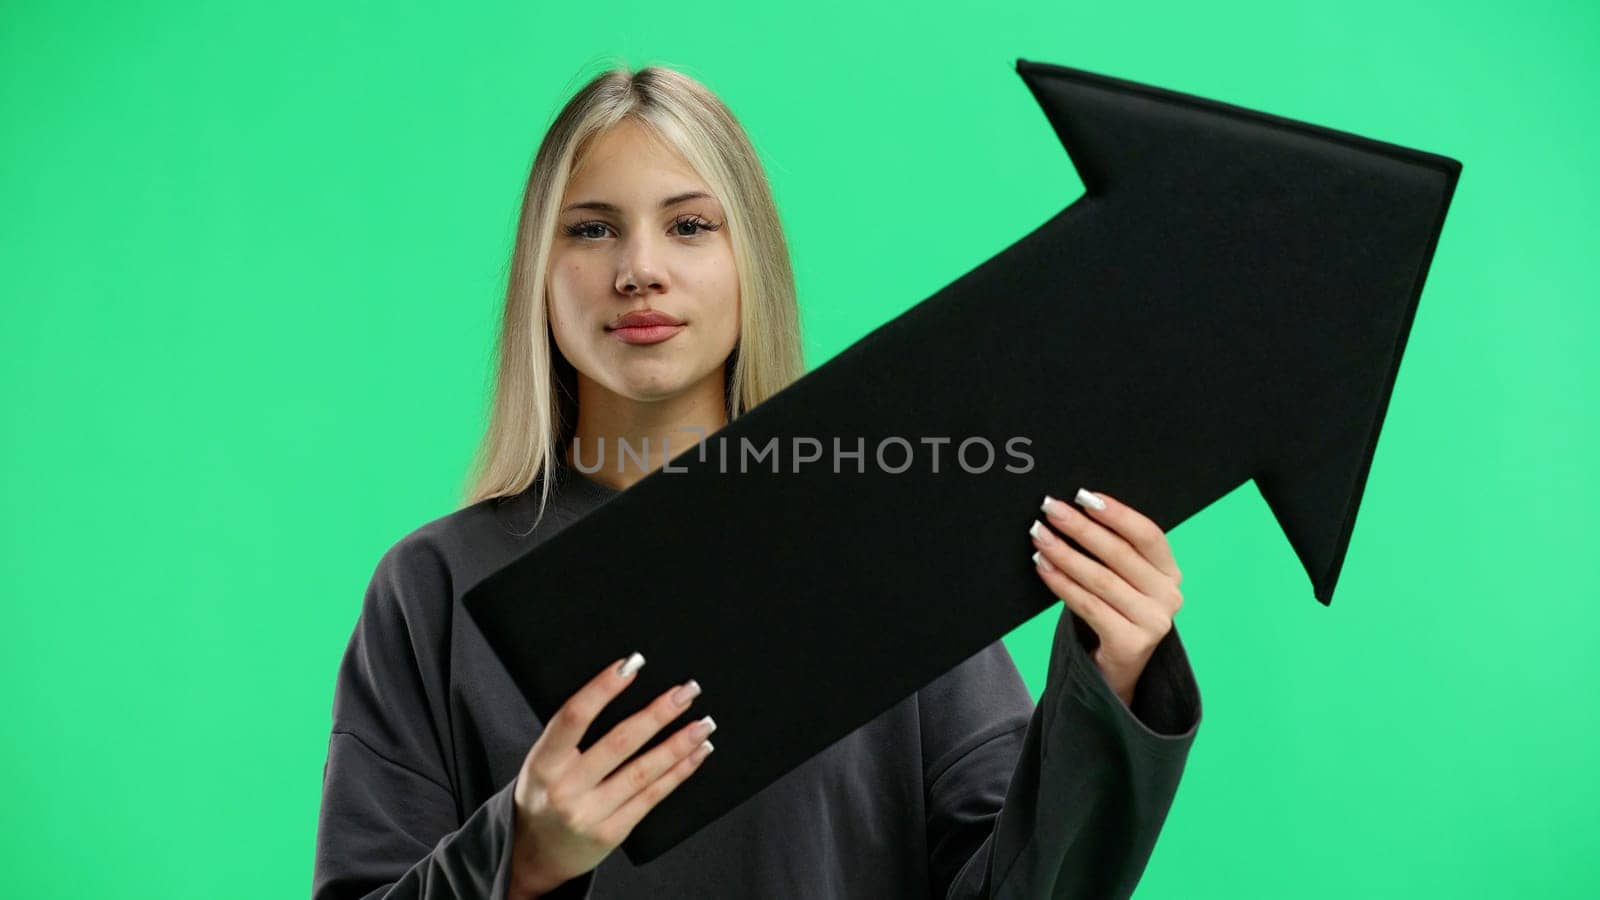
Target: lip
(646, 334)
(641, 318)
(645, 326)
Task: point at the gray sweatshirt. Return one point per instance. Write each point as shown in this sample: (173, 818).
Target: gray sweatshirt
(966, 789)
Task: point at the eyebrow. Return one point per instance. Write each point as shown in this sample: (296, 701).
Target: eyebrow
(614, 209)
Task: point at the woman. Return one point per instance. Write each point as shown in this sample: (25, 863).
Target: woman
(651, 299)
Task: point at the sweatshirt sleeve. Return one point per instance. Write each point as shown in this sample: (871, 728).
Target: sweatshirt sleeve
(1066, 801)
(390, 824)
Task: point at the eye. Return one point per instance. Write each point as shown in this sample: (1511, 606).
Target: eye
(581, 230)
(695, 221)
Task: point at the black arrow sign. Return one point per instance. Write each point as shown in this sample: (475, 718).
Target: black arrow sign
(1228, 302)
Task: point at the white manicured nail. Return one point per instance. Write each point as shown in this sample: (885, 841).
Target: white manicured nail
(1041, 562)
(631, 665)
(1085, 498)
(689, 691)
(1046, 504)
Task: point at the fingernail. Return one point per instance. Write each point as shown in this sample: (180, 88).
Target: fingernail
(631, 665)
(1039, 532)
(1041, 562)
(1048, 500)
(703, 751)
(687, 692)
(1085, 498)
(704, 727)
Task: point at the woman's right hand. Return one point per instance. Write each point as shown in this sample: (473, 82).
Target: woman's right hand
(572, 809)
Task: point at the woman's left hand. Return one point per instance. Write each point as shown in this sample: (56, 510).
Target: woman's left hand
(1127, 591)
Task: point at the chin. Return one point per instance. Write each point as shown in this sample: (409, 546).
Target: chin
(647, 386)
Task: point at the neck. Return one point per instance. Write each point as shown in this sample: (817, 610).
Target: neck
(628, 439)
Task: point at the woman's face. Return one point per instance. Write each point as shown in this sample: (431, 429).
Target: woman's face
(618, 251)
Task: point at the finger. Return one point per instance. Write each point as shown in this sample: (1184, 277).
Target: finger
(627, 736)
(557, 745)
(628, 815)
(1106, 621)
(623, 784)
(1106, 545)
(1090, 573)
(1135, 527)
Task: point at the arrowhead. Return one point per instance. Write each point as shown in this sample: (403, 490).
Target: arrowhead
(1319, 239)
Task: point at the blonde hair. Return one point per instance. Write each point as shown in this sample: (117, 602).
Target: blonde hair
(534, 404)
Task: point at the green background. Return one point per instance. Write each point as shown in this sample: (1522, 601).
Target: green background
(252, 259)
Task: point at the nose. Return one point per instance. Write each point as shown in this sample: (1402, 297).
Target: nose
(638, 269)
